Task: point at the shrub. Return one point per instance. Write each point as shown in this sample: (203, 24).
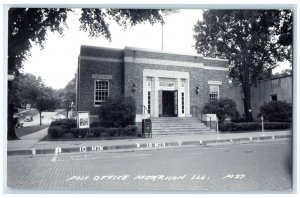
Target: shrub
(252, 126)
(113, 132)
(277, 125)
(98, 131)
(56, 132)
(118, 112)
(276, 111)
(223, 108)
(66, 123)
(130, 130)
(246, 126)
(79, 133)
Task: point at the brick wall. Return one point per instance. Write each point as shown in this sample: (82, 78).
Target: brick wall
(198, 77)
(124, 75)
(85, 92)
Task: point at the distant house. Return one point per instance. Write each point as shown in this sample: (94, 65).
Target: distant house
(271, 89)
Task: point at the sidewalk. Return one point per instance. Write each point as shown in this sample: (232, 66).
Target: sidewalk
(31, 144)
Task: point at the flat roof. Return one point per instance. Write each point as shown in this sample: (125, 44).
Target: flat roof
(153, 50)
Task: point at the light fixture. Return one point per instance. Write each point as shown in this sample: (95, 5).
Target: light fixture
(133, 88)
(197, 90)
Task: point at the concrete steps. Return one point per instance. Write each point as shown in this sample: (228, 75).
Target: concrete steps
(168, 126)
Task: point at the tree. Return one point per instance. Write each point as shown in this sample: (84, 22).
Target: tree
(28, 26)
(32, 90)
(45, 100)
(283, 73)
(252, 40)
(68, 96)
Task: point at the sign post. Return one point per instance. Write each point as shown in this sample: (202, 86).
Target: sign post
(262, 125)
(217, 121)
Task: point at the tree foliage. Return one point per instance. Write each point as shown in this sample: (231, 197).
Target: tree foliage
(28, 26)
(67, 96)
(30, 89)
(283, 73)
(252, 41)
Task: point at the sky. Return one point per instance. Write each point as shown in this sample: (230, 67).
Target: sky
(57, 62)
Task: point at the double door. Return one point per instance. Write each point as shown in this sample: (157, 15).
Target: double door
(168, 103)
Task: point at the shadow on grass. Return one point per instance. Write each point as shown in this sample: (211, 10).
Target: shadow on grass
(29, 130)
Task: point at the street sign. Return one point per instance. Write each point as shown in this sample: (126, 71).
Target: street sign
(83, 119)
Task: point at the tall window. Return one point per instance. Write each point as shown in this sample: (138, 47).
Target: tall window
(182, 102)
(213, 92)
(149, 102)
(101, 91)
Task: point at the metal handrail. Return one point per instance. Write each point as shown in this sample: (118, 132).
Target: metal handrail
(144, 108)
(201, 115)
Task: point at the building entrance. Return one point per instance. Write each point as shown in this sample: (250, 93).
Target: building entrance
(169, 100)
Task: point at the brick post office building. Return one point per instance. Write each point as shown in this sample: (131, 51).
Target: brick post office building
(163, 84)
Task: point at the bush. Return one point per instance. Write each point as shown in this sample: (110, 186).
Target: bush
(277, 125)
(276, 111)
(246, 126)
(56, 132)
(223, 108)
(113, 132)
(79, 133)
(98, 131)
(130, 130)
(252, 126)
(118, 112)
(65, 123)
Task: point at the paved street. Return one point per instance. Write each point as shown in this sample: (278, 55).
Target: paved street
(46, 119)
(252, 167)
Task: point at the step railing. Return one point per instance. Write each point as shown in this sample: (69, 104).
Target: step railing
(196, 111)
(144, 109)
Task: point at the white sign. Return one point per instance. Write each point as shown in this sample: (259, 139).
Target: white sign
(83, 119)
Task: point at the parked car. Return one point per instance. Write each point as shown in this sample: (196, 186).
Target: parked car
(58, 117)
(28, 118)
(17, 122)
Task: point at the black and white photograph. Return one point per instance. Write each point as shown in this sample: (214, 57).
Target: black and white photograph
(149, 99)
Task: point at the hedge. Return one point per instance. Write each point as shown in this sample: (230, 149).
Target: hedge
(252, 126)
(58, 131)
(65, 123)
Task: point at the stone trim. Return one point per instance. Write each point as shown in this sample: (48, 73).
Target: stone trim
(105, 48)
(210, 82)
(171, 63)
(102, 77)
(161, 52)
(165, 74)
(92, 58)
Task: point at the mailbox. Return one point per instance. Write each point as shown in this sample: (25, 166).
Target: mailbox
(147, 128)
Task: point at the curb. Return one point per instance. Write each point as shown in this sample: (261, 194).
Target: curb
(150, 145)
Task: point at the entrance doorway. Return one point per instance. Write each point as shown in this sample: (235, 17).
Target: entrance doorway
(169, 103)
